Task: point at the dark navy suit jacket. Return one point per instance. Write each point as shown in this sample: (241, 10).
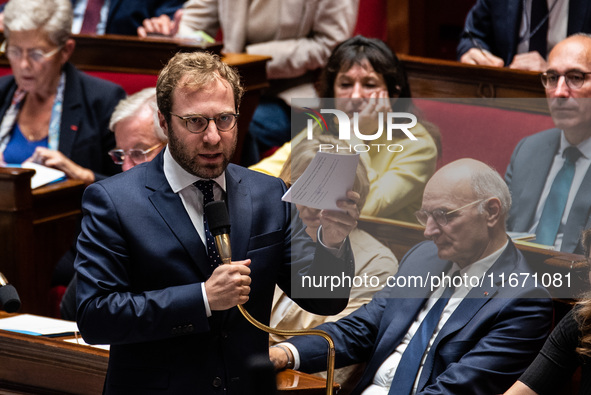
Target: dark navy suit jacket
(85, 137)
(125, 16)
(140, 266)
(495, 25)
(526, 175)
(485, 345)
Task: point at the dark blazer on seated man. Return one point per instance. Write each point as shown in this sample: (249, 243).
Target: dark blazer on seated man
(548, 175)
(526, 176)
(495, 25)
(125, 16)
(133, 223)
(478, 341)
(486, 344)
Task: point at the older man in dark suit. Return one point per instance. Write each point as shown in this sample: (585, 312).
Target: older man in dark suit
(448, 322)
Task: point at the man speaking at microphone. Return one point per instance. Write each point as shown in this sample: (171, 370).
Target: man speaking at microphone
(149, 279)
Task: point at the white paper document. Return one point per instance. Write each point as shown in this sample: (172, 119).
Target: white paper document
(326, 179)
(37, 325)
(43, 175)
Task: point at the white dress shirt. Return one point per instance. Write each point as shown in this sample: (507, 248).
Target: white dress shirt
(181, 182)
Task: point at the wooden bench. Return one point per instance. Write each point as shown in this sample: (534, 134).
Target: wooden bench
(401, 236)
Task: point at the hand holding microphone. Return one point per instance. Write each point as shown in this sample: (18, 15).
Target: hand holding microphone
(229, 284)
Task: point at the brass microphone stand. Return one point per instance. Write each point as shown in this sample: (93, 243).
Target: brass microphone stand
(222, 242)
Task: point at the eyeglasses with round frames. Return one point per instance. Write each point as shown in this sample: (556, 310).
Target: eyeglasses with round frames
(137, 156)
(35, 55)
(574, 79)
(440, 216)
(224, 122)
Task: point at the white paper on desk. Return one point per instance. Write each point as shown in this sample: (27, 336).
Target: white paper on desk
(37, 325)
(43, 174)
(326, 179)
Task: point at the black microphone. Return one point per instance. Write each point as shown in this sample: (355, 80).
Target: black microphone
(218, 221)
(9, 299)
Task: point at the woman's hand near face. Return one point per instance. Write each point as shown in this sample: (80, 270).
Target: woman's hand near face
(378, 102)
(57, 160)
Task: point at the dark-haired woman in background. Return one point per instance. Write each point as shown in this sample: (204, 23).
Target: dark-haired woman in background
(363, 75)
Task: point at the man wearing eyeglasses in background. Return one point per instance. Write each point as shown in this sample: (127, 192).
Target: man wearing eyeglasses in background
(549, 175)
(138, 135)
(139, 138)
(149, 279)
(470, 338)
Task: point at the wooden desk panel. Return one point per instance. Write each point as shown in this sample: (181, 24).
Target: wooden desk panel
(36, 228)
(436, 78)
(39, 365)
(400, 236)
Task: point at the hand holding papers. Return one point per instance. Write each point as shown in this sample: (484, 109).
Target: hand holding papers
(326, 179)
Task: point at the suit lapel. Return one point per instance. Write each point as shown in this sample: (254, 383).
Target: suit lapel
(578, 11)
(71, 115)
(240, 210)
(579, 215)
(472, 303)
(539, 165)
(113, 6)
(400, 313)
(513, 14)
(171, 208)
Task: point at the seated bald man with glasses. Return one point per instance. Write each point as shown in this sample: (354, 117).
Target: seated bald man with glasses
(548, 175)
(461, 335)
(139, 138)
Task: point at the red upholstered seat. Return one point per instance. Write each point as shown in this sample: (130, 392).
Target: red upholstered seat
(485, 133)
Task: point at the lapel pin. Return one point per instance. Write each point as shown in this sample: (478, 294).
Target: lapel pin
(485, 293)
(74, 128)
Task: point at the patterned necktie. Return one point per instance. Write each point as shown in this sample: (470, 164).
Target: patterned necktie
(538, 25)
(408, 367)
(206, 188)
(92, 16)
(556, 201)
